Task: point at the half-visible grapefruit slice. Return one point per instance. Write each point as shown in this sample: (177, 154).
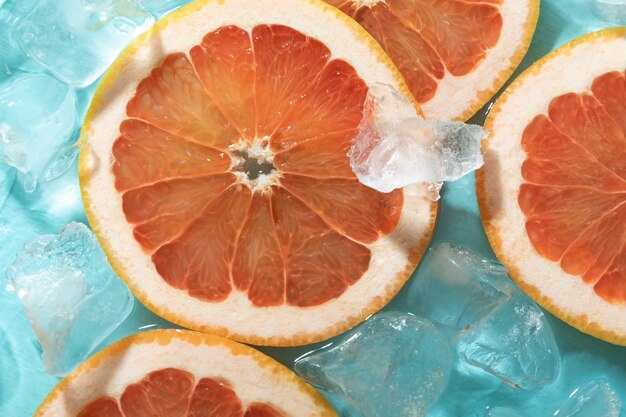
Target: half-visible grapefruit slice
(174, 373)
(214, 171)
(552, 192)
(454, 54)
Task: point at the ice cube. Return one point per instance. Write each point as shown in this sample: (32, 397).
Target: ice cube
(394, 147)
(76, 40)
(612, 11)
(457, 287)
(394, 364)
(71, 295)
(503, 412)
(594, 399)
(516, 343)
(37, 119)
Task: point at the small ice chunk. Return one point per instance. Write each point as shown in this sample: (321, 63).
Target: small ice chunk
(503, 412)
(76, 40)
(394, 147)
(394, 364)
(37, 119)
(594, 399)
(71, 295)
(457, 287)
(516, 343)
(612, 11)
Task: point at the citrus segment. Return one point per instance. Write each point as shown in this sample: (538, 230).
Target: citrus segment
(347, 205)
(230, 205)
(320, 263)
(333, 103)
(224, 61)
(145, 154)
(584, 225)
(287, 63)
(258, 266)
(559, 152)
(442, 46)
(199, 259)
(582, 118)
(322, 157)
(610, 90)
(173, 99)
(554, 158)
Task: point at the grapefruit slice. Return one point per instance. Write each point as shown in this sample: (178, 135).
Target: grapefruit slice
(454, 54)
(175, 373)
(552, 192)
(214, 171)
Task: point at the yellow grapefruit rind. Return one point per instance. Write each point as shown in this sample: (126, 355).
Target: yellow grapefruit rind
(61, 396)
(86, 171)
(581, 322)
(436, 109)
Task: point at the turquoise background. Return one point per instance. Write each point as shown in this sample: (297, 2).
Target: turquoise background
(23, 383)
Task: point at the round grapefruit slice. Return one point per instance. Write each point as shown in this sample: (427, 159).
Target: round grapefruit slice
(454, 54)
(214, 171)
(176, 373)
(552, 192)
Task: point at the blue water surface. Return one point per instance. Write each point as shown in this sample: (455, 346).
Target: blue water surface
(24, 384)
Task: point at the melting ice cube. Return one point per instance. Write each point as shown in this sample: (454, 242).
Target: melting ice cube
(76, 40)
(516, 343)
(394, 147)
(394, 364)
(37, 119)
(470, 287)
(71, 295)
(594, 399)
(612, 11)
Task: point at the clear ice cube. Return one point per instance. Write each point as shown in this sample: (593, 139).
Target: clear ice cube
(473, 286)
(594, 399)
(71, 295)
(37, 120)
(394, 364)
(516, 343)
(394, 147)
(612, 11)
(76, 40)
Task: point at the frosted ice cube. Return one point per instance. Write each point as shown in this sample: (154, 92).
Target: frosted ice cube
(394, 364)
(516, 343)
(37, 119)
(77, 40)
(594, 399)
(394, 147)
(71, 295)
(612, 11)
(457, 287)
(503, 412)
